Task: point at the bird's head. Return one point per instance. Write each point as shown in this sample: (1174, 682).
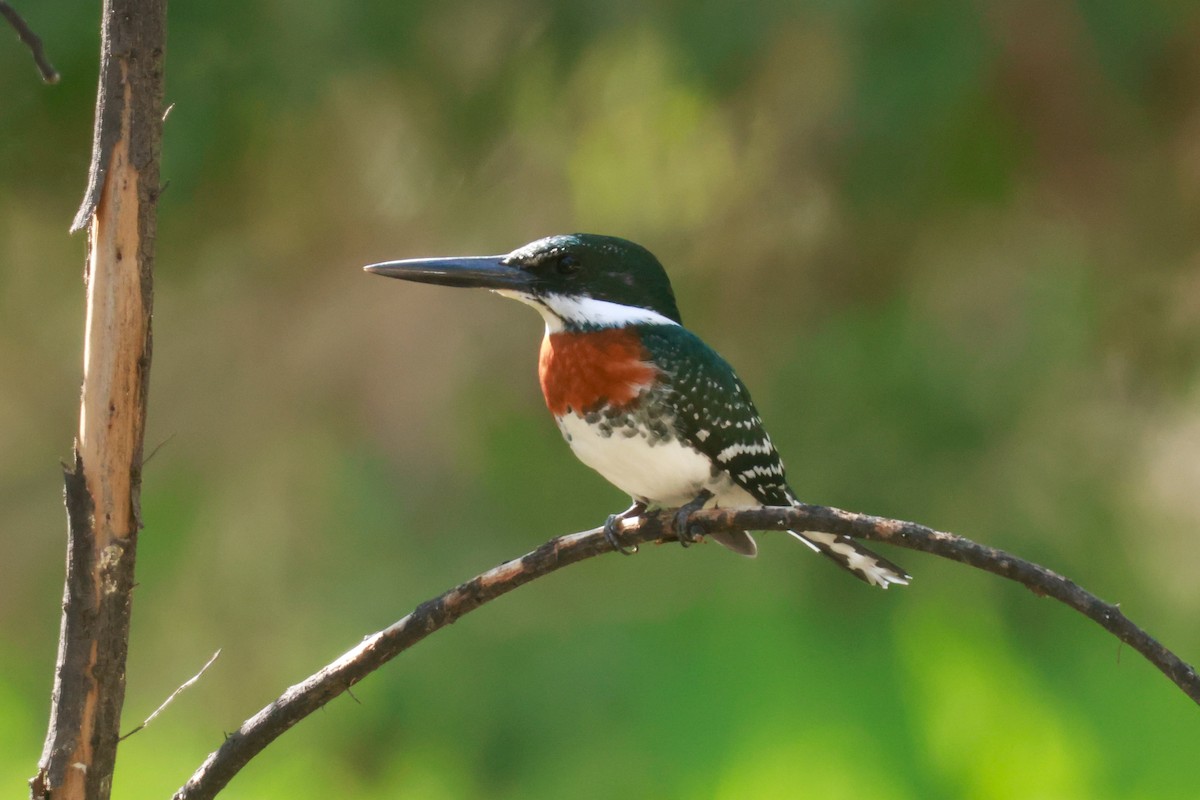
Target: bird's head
(577, 280)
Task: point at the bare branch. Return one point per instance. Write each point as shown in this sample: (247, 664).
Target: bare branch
(1037, 578)
(31, 40)
(376, 650)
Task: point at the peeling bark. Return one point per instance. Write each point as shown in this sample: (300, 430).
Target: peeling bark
(102, 486)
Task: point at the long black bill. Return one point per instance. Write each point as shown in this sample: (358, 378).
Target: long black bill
(482, 272)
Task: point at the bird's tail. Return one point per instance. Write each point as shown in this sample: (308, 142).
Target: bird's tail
(855, 559)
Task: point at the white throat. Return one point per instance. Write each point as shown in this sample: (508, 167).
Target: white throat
(558, 310)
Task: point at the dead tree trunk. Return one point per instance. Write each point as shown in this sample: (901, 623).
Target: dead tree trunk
(102, 486)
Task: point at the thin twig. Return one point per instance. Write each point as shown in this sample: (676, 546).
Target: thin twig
(186, 684)
(157, 447)
(31, 40)
(314, 692)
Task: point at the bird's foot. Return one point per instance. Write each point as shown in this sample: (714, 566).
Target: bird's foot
(610, 528)
(684, 515)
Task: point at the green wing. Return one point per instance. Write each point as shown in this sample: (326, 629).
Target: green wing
(714, 412)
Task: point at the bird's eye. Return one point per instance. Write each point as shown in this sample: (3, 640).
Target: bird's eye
(568, 265)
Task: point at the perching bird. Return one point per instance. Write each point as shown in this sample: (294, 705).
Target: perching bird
(638, 397)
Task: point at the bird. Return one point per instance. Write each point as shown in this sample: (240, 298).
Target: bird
(638, 397)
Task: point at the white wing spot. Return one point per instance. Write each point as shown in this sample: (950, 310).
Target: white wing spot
(763, 448)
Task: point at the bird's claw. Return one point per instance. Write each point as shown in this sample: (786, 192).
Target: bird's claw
(611, 536)
(683, 527)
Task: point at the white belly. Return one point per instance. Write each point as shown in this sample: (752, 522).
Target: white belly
(664, 472)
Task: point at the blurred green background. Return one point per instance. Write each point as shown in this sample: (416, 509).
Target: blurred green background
(953, 248)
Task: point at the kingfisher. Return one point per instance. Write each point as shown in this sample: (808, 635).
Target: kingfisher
(638, 397)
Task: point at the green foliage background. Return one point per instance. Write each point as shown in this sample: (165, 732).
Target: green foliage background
(953, 248)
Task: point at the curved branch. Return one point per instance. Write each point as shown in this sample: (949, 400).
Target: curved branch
(376, 650)
(1040, 580)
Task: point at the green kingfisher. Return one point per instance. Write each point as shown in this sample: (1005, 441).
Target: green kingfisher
(638, 397)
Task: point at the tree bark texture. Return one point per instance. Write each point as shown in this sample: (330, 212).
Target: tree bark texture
(102, 485)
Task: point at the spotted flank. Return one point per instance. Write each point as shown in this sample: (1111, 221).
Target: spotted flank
(715, 415)
(854, 558)
(663, 417)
